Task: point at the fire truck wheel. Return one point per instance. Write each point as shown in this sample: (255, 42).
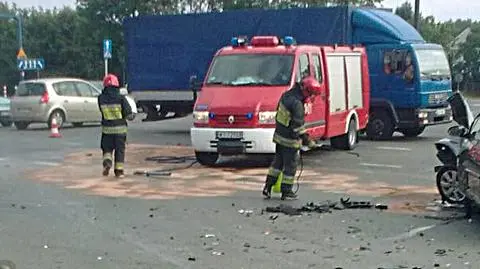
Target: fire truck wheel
(206, 158)
(380, 126)
(349, 140)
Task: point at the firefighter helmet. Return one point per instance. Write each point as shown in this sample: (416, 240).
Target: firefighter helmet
(110, 80)
(311, 86)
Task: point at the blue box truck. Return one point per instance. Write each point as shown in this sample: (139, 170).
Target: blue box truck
(410, 78)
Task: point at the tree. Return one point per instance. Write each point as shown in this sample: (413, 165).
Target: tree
(406, 12)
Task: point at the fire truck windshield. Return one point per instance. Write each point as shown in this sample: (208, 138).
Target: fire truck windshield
(251, 69)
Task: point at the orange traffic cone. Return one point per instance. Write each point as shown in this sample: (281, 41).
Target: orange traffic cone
(54, 133)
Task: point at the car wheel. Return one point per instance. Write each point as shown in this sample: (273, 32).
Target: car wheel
(58, 116)
(21, 125)
(6, 123)
(448, 185)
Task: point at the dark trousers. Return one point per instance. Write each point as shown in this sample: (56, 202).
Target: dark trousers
(111, 143)
(285, 161)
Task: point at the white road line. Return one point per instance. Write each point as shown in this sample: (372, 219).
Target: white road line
(46, 163)
(476, 105)
(411, 233)
(381, 165)
(395, 148)
(2, 159)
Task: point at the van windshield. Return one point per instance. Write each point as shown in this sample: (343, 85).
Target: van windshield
(433, 64)
(251, 69)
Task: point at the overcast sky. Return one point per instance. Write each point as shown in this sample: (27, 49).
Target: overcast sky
(441, 9)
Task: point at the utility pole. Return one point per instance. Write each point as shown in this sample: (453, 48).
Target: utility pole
(417, 15)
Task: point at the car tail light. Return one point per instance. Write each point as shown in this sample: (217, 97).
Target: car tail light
(45, 98)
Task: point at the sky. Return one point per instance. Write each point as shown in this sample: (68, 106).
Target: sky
(443, 10)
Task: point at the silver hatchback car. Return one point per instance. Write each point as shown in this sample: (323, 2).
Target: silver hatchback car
(65, 99)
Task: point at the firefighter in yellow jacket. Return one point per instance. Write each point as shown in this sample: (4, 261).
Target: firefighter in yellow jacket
(115, 111)
(290, 134)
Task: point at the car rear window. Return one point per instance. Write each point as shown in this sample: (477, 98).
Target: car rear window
(31, 89)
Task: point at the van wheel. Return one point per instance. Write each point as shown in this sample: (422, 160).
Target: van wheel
(59, 117)
(412, 132)
(21, 125)
(349, 140)
(380, 126)
(206, 158)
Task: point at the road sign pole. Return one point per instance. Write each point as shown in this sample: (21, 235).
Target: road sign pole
(107, 52)
(106, 66)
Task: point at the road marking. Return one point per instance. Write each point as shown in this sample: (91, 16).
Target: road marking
(381, 165)
(395, 148)
(46, 163)
(476, 105)
(411, 233)
(2, 159)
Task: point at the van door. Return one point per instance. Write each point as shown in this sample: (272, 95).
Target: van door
(318, 104)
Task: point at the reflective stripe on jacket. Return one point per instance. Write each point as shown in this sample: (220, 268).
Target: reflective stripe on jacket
(290, 128)
(115, 109)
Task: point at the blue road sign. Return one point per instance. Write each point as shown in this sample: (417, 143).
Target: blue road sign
(30, 64)
(107, 49)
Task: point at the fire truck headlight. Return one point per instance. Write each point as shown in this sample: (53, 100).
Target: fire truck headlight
(267, 117)
(200, 116)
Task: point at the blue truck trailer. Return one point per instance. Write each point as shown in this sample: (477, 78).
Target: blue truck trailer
(410, 78)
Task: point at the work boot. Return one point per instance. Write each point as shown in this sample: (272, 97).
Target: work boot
(287, 192)
(267, 189)
(106, 170)
(119, 173)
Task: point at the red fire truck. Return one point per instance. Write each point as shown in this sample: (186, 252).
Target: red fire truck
(235, 110)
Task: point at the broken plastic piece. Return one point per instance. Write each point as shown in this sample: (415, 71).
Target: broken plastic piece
(354, 204)
(381, 206)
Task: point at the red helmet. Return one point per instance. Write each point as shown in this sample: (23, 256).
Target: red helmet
(110, 80)
(310, 86)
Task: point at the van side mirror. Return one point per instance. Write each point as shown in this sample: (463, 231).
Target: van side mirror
(194, 86)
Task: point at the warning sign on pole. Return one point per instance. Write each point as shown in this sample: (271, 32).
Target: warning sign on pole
(21, 54)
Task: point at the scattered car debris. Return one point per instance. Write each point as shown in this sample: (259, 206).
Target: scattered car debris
(208, 236)
(440, 252)
(323, 207)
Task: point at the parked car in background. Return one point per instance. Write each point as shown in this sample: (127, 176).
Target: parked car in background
(65, 99)
(123, 91)
(5, 115)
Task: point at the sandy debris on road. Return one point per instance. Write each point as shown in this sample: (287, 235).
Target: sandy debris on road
(82, 171)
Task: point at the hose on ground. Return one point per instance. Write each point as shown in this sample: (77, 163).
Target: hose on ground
(170, 160)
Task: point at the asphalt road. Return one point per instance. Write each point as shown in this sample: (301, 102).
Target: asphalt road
(47, 226)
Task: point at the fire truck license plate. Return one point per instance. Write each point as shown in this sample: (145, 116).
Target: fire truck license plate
(229, 135)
